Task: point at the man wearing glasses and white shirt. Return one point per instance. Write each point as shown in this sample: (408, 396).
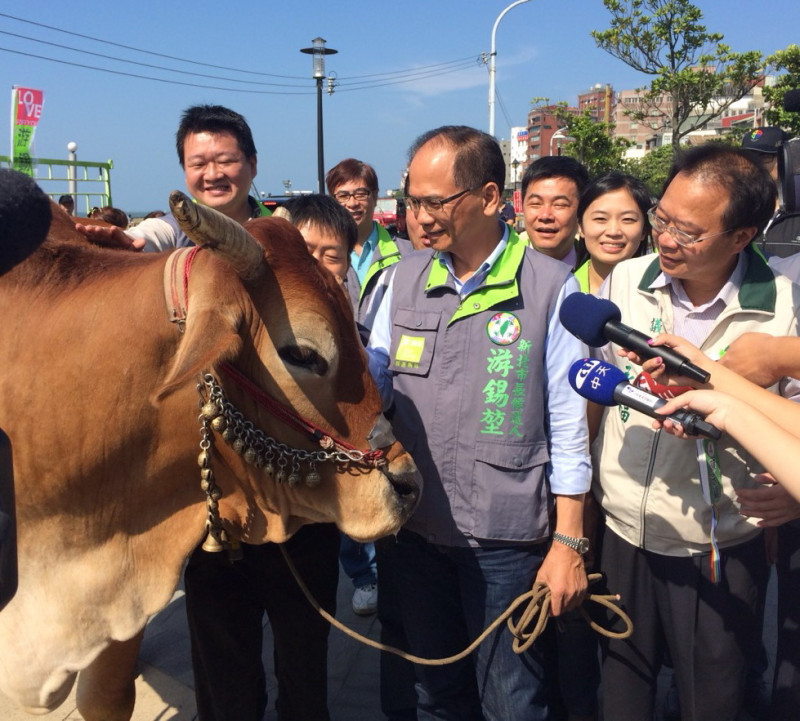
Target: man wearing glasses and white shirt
(468, 345)
(680, 546)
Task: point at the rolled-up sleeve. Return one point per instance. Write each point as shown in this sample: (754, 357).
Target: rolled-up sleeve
(570, 469)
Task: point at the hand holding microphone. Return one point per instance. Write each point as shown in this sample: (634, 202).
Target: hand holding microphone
(607, 385)
(597, 321)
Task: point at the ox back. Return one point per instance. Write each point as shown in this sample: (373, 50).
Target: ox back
(8, 531)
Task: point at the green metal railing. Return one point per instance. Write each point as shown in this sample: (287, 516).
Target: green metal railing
(92, 180)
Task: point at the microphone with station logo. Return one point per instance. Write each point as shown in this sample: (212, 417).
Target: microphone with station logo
(596, 321)
(607, 385)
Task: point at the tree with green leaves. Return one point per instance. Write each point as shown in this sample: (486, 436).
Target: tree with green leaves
(667, 40)
(653, 168)
(592, 142)
(788, 60)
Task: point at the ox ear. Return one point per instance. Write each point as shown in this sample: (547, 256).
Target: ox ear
(210, 339)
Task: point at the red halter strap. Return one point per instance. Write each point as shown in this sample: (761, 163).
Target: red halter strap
(176, 291)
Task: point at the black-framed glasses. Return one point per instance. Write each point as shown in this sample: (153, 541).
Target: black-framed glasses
(681, 237)
(433, 205)
(343, 196)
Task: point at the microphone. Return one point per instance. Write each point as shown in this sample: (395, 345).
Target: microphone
(596, 321)
(607, 385)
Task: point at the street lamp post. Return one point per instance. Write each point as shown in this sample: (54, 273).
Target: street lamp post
(492, 63)
(72, 171)
(318, 51)
(515, 168)
(560, 134)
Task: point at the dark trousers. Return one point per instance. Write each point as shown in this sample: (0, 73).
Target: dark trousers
(711, 630)
(448, 596)
(225, 605)
(786, 688)
(398, 695)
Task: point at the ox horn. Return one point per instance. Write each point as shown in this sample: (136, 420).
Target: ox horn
(211, 229)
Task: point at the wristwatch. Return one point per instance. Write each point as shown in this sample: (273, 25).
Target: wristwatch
(581, 545)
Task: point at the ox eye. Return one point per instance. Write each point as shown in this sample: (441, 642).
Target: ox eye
(304, 357)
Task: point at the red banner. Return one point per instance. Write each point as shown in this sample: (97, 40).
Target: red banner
(29, 106)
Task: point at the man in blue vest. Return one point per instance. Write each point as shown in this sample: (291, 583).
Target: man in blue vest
(468, 345)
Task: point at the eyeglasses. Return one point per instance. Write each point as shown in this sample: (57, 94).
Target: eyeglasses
(359, 194)
(433, 205)
(682, 238)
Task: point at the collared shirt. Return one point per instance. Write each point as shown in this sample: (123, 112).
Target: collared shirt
(361, 263)
(695, 323)
(569, 472)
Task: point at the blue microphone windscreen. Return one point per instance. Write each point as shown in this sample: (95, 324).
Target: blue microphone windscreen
(596, 380)
(584, 316)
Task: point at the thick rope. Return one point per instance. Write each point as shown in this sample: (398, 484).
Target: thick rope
(535, 613)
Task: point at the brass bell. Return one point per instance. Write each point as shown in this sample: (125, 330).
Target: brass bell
(280, 476)
(250, 456)
(209, 410)
(212, 544)
(203, 459)
(294, 479)
(219, 424)
(313, 479)
(229, 435)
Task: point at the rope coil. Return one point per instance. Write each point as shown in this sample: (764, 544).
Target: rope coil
(536, 614)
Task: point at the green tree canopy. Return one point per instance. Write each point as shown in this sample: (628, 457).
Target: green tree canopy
(653, 168)
(592, 142)
(788, 60)
(666, 39)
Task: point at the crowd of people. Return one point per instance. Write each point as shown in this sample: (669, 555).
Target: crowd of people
(460, 316)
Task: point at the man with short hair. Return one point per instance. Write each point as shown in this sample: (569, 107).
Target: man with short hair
(687, 564)
(551, 188)
(468, 344)
(354, 184)
(67, 202)
(226, 600)
(328, 230)
(217, 152)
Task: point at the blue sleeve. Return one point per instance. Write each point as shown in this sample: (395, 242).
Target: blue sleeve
(379, 346)
(570, 470)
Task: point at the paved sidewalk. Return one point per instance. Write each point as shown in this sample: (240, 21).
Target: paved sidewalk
(164, 687)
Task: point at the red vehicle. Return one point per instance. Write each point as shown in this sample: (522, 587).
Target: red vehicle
(385, 211)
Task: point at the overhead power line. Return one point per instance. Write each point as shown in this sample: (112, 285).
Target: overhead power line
(410, 73)
(148, 52)
(149, 65)
(158, 80)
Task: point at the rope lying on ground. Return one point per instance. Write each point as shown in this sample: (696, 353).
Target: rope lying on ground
(536, 614)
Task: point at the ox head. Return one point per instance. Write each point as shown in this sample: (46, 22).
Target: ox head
(274, 317)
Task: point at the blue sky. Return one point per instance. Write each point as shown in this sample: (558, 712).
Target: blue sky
(544, 49)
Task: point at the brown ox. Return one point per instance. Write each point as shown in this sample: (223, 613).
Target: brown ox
(99, 395)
